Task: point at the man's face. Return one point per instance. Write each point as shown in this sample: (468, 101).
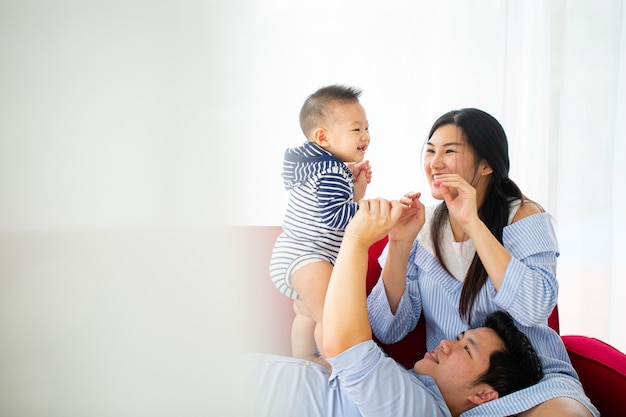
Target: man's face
(456, 364)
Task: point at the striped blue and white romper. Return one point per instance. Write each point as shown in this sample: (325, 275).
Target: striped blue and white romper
(321, 203)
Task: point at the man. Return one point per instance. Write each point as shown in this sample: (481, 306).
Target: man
(479, 366)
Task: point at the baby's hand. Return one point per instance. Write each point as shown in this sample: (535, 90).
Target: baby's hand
(362, 174)
(362, 167)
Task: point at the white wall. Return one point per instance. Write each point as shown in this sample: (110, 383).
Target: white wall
(110, 115)
(413, 61)
(120, 323)
(117, 294)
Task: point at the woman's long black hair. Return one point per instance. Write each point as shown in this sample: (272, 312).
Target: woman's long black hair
(487, 139)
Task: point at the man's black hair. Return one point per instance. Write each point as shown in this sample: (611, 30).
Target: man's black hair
(518, 366)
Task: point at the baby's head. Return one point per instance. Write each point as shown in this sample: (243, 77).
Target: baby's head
(333, 118)
(318, 108)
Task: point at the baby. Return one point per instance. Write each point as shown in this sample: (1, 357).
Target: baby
(325, 177)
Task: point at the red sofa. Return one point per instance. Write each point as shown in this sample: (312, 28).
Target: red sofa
(601, 368)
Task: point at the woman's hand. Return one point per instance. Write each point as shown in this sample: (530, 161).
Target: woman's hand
(411, 221)
(460, 198)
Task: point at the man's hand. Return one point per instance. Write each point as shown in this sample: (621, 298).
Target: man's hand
(345, 317)
(373, 220)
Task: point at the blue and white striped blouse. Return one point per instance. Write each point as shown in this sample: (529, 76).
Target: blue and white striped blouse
(528, 292)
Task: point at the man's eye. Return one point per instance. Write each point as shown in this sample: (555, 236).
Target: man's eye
(467, 349)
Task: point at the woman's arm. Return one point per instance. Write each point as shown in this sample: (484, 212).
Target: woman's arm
(521, 271)
(394, 304)
(401, 239)
(494, 256)
(394, 272)
(463, 210)
(529, 289)
(391, 327)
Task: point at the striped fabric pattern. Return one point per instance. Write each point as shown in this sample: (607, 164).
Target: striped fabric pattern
(321, 191)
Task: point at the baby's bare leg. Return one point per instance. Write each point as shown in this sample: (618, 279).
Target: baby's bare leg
(310, 282)
(302, 332)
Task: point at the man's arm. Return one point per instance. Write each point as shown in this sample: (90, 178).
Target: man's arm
(345, 317)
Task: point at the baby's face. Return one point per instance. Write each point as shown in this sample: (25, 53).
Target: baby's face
(348, 132)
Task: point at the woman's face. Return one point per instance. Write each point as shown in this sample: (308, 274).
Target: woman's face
(447, 152)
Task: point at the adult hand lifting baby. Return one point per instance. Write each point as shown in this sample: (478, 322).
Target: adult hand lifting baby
(374, 219)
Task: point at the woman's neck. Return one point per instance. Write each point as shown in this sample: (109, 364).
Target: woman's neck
(457, 231)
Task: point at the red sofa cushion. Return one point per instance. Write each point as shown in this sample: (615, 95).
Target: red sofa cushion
(602, 371)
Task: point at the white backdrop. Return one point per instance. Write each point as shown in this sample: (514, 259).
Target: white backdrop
(126, 116)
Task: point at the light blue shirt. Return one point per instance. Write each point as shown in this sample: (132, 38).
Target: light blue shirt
(364, 382)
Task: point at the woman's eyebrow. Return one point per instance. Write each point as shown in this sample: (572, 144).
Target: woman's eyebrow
(429, 143)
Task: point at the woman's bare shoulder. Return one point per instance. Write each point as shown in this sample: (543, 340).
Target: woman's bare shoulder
(526, 209)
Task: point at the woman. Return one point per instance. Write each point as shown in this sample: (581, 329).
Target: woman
(485, 247)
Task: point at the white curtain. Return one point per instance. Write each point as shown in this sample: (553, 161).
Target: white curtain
(565, 113)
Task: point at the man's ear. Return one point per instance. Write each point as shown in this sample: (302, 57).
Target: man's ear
(486, 395)
(320, 137)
